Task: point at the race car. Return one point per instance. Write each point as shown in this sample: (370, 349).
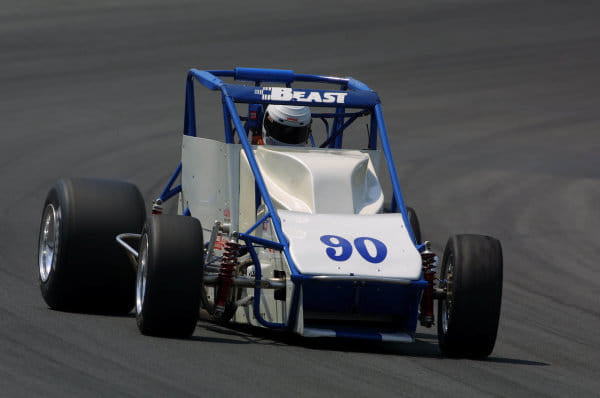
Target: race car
(300, 238)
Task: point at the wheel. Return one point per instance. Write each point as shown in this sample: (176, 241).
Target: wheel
(169, 276)
(81, 266)
(471, 275)
(414, 223)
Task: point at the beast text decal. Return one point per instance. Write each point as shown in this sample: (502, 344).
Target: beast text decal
(289, 94)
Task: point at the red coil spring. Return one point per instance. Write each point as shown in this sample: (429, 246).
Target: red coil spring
(429, 262)
(428, 258)
(229, 263)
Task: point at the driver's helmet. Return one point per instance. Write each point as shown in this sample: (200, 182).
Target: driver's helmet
(286, 125)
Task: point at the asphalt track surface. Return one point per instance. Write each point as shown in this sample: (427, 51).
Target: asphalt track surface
(493, 113)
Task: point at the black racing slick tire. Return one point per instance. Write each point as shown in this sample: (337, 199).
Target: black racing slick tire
(414, 223)
(169, 277)
(468, 316)
(81, 266)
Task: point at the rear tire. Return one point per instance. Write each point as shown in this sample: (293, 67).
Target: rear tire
(169, 278)
(81, 266)
(468, 317)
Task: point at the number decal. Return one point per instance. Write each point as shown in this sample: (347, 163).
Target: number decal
(374, 252)
(337, 241)
(380, 249)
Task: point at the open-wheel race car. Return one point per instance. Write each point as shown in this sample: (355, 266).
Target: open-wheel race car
(291, 237)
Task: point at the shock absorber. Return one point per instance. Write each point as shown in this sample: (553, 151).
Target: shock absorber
(229, 264)
(429, 260)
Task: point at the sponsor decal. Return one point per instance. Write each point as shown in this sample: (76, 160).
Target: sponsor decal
(220, 242)
(290, 94)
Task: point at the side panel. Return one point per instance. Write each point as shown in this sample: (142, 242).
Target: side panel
(210, 180)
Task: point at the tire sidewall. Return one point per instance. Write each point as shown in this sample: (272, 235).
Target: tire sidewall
(58, 273)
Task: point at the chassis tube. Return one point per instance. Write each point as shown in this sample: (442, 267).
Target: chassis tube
(392, 170)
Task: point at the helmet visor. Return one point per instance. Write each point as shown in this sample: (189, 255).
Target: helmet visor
(287, 134)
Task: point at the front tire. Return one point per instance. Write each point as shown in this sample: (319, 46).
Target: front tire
(468, 316)
(169, 277)
(81, 266)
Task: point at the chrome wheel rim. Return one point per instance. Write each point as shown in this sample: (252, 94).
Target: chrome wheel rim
(142, 273)
(49, 241)
(447, 302)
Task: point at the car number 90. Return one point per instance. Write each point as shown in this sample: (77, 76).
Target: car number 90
(340, 249)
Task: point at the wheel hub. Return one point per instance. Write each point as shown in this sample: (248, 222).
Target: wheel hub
(49, 241)
(142, 273)
(448, 288)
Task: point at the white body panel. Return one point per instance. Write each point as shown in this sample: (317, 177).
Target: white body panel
(210, 180)
(309, 253)
(314, 180)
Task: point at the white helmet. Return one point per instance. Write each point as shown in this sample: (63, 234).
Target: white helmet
(286, 125)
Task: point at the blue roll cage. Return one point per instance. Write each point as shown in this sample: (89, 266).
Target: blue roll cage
(354, 94)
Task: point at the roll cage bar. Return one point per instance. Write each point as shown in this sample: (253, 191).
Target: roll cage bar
(356, 95)
(351, 94)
